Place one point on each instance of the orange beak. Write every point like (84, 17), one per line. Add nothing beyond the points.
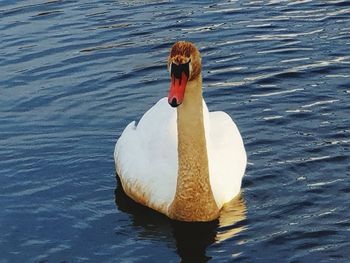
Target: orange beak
(179, 77)
(177, 90)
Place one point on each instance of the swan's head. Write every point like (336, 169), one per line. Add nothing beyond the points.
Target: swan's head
(184, 64)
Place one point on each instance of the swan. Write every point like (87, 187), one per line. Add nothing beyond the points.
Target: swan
(180, 159)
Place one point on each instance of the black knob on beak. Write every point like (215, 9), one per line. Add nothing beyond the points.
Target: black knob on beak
(173, 103)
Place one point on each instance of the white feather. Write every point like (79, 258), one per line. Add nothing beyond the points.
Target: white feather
(146, 154)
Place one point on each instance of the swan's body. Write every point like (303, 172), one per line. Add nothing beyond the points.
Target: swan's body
(185, 163)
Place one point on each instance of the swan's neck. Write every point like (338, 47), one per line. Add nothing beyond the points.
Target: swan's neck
(194, 199)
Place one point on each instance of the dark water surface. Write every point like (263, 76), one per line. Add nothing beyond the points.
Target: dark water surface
(74, 73)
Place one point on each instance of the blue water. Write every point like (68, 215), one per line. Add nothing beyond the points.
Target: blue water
(73, 74)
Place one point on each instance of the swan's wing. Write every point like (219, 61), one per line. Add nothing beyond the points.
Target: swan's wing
(146, 156)
(227, 157)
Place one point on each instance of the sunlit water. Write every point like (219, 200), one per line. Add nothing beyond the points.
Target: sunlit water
(73, 74)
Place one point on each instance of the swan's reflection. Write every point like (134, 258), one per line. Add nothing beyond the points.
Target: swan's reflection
(191, 239)
(232, 219)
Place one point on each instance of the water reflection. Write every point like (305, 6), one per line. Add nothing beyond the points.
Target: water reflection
(190, 240)
(232, 219)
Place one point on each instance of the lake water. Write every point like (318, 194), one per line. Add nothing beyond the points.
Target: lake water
(73, 74)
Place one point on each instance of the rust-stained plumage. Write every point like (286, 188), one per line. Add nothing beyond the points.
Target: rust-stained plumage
(181, 52)
(194, 200)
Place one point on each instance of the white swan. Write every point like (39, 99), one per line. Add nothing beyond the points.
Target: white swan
(182, 161)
